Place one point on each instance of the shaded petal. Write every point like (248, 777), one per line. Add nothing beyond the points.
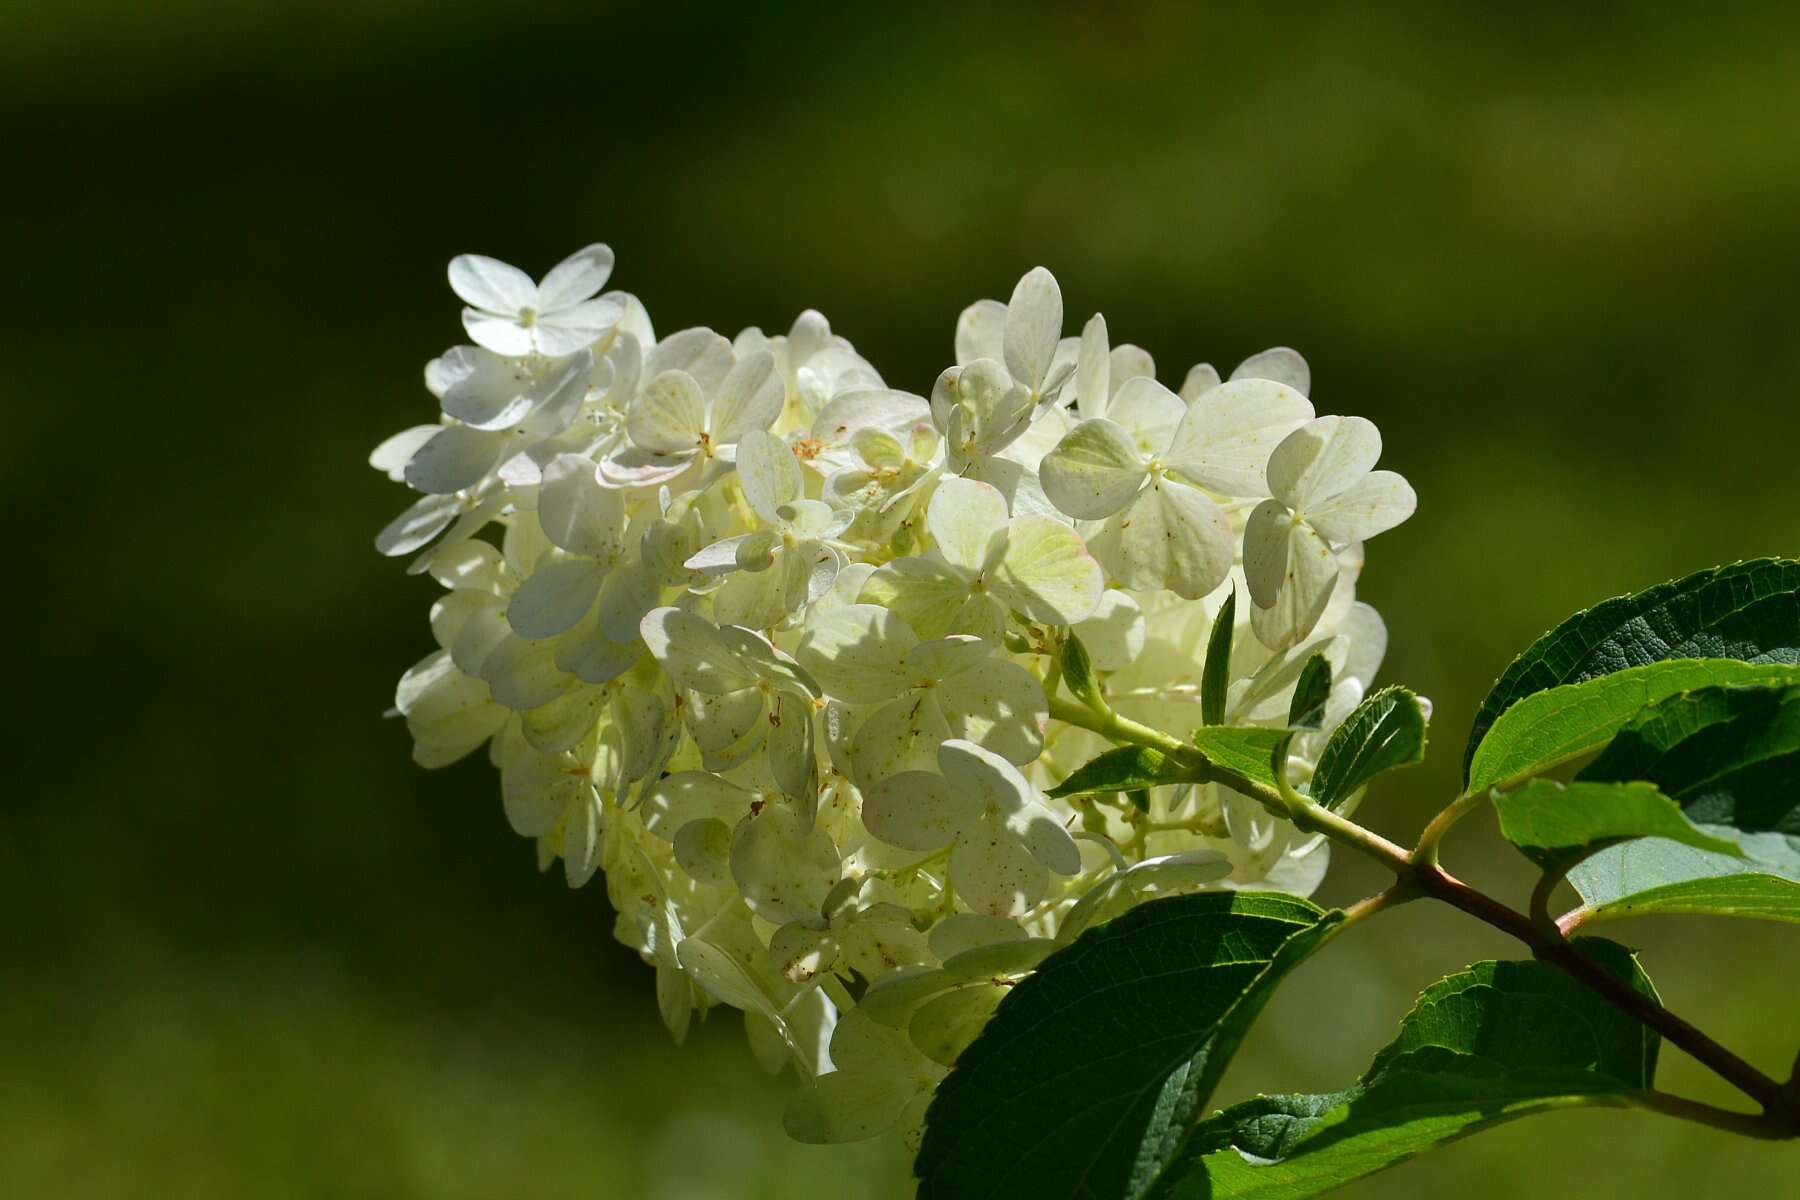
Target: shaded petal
(1173, 536)
(857, 653)
(1148, 412)
(768, 473)
(981, 332)
(577, 513)
(999, 705)
(993, 873)
(1312, 571)
(917, 810)
(455, 459)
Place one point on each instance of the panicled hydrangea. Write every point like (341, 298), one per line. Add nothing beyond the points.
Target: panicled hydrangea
(764, 643)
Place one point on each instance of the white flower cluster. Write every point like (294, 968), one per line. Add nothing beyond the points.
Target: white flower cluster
(768, 642)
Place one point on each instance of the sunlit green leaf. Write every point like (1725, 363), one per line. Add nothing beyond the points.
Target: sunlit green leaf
(1563, 723)
(1557, 823)
(1242, 751)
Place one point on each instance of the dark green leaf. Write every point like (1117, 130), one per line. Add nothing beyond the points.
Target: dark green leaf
(1093, 1070)
(1497, 1041)
(1215, 676)
(1122, 770)
(1563, 723)
(1242, 751)
(1729, 756)
(1385, 731)
(1556, 823)
(1748, 611)
(1307, 709)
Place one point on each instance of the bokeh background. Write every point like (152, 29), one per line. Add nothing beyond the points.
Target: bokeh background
(250, 950)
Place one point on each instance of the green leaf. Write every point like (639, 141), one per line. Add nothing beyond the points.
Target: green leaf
(1078, 671)
(1563, 723)
(1729, 755)
(1384, 732)
(1307, 709)
(1556, 823)
(1731, 758)
(1497, 1041)
(1242, 751)
(1215, 676)
(1122, 770)
(1766, 897)
(1748, 611)
(1093, 1070)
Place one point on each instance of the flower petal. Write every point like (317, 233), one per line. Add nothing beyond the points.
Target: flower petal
(1093, 375)
(669, 417)
(917, 810)
(1322, 459)
(1374, 504)
(1048, 573)
(576, 277)
(1306, 587)
(1279, 364)
(1094, 471)
(568, 330)
(1148, 412)
(490, 284)
(578, 514)
(857, 653)
(993, 873)
(1173, 536)
(1033, 325)
(964, 519)
(768, 473)
(455, 459)
(1228, 434)
(784, 866)
(981, 332)
(748, 398)
(1000, 705)
(701, 353)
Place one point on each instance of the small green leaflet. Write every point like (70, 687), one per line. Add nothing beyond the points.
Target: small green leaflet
(1731, 758)
(1385, 731)
(1748, 611)
(1092, 1072)
(1125, 769)
(1551, 727)
(1243, 751)
(1215, 677)
(1497, 1041)
(1078, 670)
(1555, 823)
(1307, 709)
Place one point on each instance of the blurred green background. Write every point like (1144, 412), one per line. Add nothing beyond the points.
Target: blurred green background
(250, 950)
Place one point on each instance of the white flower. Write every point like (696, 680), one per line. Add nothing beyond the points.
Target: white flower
(1143, 467)
(950, 687)
(700, 399)
(1325, 492)
(986, 564)
(792, 560)
(1004, 842)
(511, 315)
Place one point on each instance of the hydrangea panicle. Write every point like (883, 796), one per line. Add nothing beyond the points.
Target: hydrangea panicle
(771, 647)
